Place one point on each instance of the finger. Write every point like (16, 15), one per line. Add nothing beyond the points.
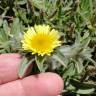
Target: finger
(9, 66)
(44, 84)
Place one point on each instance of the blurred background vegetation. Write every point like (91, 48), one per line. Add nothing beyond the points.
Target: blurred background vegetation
(75, 60)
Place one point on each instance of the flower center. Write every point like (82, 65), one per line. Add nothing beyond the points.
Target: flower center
(41, 42)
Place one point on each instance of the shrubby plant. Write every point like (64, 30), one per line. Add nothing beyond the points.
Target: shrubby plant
(74, 59)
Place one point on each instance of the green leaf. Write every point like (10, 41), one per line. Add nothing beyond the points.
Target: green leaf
(24, 66)
(85, 42)
(16, 27)
(40, 61)
(79, 65)
(70, 71)
(71, 87)
(22, 2)
(22, 14)
(85, 91)
(83, 87)
(57, 58)
(40, 4)
(1, 22)
(5, 27)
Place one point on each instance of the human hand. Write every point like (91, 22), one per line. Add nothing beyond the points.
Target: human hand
(44, 84)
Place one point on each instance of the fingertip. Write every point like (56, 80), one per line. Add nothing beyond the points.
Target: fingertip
(44, 84)
(54, 83)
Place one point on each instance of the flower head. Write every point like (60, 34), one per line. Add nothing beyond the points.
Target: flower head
(41, 40)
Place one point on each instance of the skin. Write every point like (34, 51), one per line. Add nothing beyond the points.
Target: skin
(44, 84)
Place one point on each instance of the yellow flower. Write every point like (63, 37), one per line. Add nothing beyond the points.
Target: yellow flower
(41, 39)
